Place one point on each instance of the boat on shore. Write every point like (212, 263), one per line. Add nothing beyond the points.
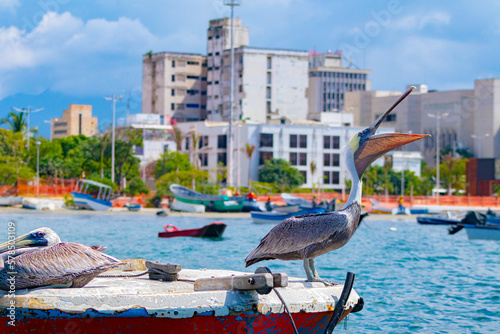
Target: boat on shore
(133, 206)
(192, 301)
(277, 217)
(211, 202)
(447, 218)
(477, 226)
(212, 230)
(92, 195)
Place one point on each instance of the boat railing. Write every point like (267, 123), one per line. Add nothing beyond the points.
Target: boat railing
(104, 193)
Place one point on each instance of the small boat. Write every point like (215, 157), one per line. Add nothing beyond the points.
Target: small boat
(186, 207)
(213, 230)
(84, 199)
(277, 217)
(10, 200)
(448, 218)
(253, 205)
(196, 301)
(296, 200)
(133, 206)
(477, 226)
(38, 204)
(211, 202)
(162, 213)
(286, 208)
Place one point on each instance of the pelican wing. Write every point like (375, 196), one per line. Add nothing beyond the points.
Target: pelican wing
(295, 234)
(60, 264)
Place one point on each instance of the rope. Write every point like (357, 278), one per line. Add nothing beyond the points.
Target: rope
(125, 276)
(287, 310)
(154, 274)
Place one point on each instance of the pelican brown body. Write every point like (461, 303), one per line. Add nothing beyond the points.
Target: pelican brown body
(306, 237)
(41, 260)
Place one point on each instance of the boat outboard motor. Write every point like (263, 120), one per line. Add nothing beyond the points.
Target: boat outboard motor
(474, 218)
(455, 228)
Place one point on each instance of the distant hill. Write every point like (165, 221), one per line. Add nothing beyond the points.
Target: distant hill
(54, 103)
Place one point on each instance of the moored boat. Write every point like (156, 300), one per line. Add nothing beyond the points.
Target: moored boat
(97, 200)
(477, 226)
(448, 218)
(277, 217)
(211, 202)
(213, 230)
(190, 304)
(286, 208)
(295, 200)
(133, 206)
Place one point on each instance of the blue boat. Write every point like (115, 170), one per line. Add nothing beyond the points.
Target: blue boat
(277, 217)
(84, 199)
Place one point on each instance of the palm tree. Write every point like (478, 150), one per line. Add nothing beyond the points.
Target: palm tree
(312, 165)
(178, 136)
(249, 149)
(16, 121)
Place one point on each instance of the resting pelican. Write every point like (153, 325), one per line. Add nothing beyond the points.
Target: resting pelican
(40, 259)
(308, 236)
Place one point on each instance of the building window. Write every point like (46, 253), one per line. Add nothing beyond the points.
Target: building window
(304, 175)
(216, 82)
(222, 158)
(79, 124)
(293, 141)
(173, 63)
(60, 132)
(192, 105)
(173, 92)
(268, 92)
(268, 107)
(193, 63)
(335, 142)
(60, 124)
(193, 76)
(303, 141)
(326, 177)
(326, 160)
(210, 54)
(172, 106)
(173, 77)
(203, 159)
(187, 144)
(240, 88)
(326, 142)
(266, 140)
(192, 91)
(268, 78)
(203, 93)
(303, 159)
(217, 36)
(269, 63)
(335, 177)
(222, 141)
(293, 158)
(203, 141)
(335, 160)
(263, 156)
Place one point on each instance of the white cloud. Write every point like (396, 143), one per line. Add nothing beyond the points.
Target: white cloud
(8, 4)
(418, 22)
(63, 49)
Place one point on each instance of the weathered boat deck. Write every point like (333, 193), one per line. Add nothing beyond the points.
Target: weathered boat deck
(132, 304)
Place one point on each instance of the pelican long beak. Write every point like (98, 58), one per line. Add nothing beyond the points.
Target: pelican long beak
(19, 242)
(370, 146)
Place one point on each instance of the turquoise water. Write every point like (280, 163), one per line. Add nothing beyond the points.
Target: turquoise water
(416, 279)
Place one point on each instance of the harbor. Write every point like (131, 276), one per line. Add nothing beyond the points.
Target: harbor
(425, 277)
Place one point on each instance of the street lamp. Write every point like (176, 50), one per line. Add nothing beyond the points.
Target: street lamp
(27, 111)
(479, 139)
(114, 98)
(437, 117)
(37, 168)
(231, 3)
(49, 122)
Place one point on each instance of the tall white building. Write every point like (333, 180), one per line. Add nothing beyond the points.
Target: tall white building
(299, 143)
(329, 81)
(174, 86)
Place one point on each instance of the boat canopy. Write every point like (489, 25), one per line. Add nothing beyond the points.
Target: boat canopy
(104, 190)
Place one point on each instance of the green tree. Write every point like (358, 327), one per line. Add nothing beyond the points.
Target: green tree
(453, 172)
(170, 162)
(16, 121)
(281, 172)
(184, 178)
(136, 187)
(249, 150)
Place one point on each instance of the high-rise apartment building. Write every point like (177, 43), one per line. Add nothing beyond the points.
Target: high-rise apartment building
(174, 86)
(329, 81)
(76, 120)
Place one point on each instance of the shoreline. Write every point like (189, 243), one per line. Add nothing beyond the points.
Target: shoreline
(152, 212)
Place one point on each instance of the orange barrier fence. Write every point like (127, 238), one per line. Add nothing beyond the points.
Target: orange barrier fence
(47, 187)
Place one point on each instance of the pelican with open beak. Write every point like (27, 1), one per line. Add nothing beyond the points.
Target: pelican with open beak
(40, 259)
(306, 237)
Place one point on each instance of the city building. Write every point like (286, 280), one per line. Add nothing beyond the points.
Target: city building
(329, 81)
(467, 119)
(300, 143)
(174, 86)
(268, 84)
(406, 160)
(76, 120)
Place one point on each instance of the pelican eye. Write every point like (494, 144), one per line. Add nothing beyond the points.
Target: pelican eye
(40, 234)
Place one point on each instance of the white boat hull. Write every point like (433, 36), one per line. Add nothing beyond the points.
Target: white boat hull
(83, 201)
(186, 207)
(475, 232)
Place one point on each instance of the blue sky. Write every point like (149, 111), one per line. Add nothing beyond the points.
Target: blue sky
(94, 48)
